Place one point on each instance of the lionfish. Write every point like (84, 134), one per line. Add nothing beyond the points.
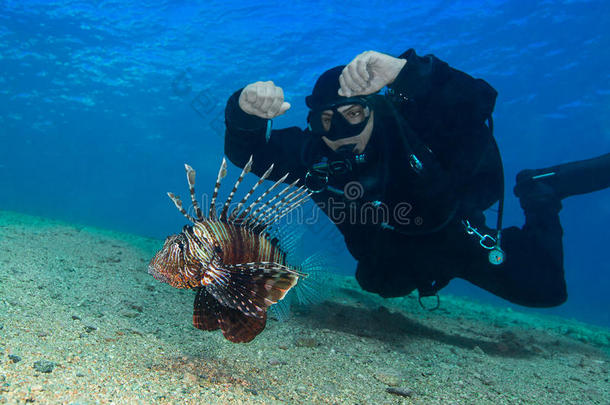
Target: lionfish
(234, 260)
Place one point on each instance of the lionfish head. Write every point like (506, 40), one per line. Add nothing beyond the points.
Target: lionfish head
(183, 258)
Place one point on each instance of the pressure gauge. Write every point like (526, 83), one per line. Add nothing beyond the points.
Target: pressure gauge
(496, 256)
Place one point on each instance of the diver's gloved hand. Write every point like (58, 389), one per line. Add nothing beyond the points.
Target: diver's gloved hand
(263, 99)
(368, 73)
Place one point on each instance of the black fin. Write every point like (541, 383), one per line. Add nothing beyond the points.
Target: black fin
(236, 327)
(251, 287)
(240, 328)
(206, 311)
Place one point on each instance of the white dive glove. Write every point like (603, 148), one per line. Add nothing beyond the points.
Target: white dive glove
(368, 73)
(263, 99)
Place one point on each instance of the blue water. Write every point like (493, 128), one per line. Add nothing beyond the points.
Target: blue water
(101, 103)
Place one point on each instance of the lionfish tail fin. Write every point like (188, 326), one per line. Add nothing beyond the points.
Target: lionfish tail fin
(253, 287)
(310, 290)
(314, 288)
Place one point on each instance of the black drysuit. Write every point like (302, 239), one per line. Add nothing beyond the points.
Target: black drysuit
(430, 164)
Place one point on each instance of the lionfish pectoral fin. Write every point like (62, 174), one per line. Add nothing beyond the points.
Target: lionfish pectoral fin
(236, 327)
(240, 328)
(206, 311)
(252, 287)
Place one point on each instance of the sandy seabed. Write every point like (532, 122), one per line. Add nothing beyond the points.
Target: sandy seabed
(81, 322)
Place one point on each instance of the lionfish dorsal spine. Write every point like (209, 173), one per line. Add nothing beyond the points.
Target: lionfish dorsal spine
(222, 172)
(254, 218)
(287, 208)
(190, 177)
(246, 169)
(240, 218)
(259, 214)
(178, 204)
(268, 209)
(237, 209)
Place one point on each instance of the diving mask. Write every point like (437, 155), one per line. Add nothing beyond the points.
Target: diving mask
(339, 126)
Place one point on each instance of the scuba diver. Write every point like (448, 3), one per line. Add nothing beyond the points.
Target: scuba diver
(407, 175)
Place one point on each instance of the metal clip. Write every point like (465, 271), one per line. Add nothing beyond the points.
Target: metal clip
(483, 239)
(496, 254)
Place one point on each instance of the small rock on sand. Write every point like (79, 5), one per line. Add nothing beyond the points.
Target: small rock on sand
(478, 350)
(388, 377)
(44, 366)
(90, 328)
(402, 392)
(306, 342)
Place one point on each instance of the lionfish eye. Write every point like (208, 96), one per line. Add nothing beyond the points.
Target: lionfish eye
(217, 248)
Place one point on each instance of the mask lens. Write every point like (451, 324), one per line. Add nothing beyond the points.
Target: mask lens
(315, 116)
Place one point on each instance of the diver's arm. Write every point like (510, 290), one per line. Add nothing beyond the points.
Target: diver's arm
(450, 109)
(246, 135)
(449, 94)
(452, 95)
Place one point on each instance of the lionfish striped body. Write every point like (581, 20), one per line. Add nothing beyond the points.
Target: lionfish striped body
(233, 261)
